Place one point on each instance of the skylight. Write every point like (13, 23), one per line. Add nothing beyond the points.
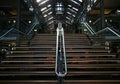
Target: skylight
(49, 5)
(68, 18)
(81, 0)
(43, 8)
(46, 10)
(43, 2)
(75, 2)
(50, 22)
(38, 1)
(72, 10)
(45, 15)
(50, 13)
(75, 8)
(50, 18)
(69, 5)
(69, 13)
(67, 22)
(73, 15)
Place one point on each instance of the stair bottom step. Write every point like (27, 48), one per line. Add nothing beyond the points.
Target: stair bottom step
(55, 81)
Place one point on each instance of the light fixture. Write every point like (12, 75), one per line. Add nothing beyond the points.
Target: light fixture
(118, 11)
(88, 8)
(110, 20)
(29, 21)
(106, 20)
(14, 21)
(90, 21)
(59, 8)
(31, 8)
(35, 30)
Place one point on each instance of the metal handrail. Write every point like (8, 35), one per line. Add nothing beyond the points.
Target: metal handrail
(107, 28)
(60, 50)
(10, 31)
(32, 28)
(100, 31)
(33, 25)
(6, 33)
(89, 28)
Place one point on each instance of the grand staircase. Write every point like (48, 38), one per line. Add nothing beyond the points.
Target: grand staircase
(35, 64)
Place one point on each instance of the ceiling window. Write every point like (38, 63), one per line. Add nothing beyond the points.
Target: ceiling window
(38, 1)
(50, 22)
(75, 8)
(45, 15)
(68, 22)
(43, 2)
(72, 10)
(59, 8)
(50, 13)
(80, 0)
(50, 18)
(73, 15)
(43, 8)
(46, 10)
(69, 13)
(69, 5)
(49, 5)
(68, 18)
(75, 2)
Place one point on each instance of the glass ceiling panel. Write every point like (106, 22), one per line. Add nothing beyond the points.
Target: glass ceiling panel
(42, 9)
(75, 2)
(43, 2)
(68, 18)
(50, 13)
(38, 1)
(80, 0)
(75, 8)
(50, 18)
(50, 22)
(46, 10)
(72, 10)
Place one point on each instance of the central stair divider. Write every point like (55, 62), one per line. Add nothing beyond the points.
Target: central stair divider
(61, 65)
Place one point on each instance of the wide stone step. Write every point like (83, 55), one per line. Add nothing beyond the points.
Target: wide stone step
(52, 73)
(68, 46)
(74, 55)
(69, 61)
(55, 81)
(52, 66)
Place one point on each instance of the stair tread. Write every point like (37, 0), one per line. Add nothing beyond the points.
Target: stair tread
(92, 51)
(52, 73)
(68, 55)
(66, 47)
(53, 66)
(46, 61)
(66, 81)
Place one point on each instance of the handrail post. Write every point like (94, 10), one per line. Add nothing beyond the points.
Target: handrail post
(61, 65)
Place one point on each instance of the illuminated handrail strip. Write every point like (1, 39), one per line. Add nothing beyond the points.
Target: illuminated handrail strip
(60, 32)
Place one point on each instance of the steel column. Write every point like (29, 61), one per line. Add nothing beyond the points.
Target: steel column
(102, 14)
